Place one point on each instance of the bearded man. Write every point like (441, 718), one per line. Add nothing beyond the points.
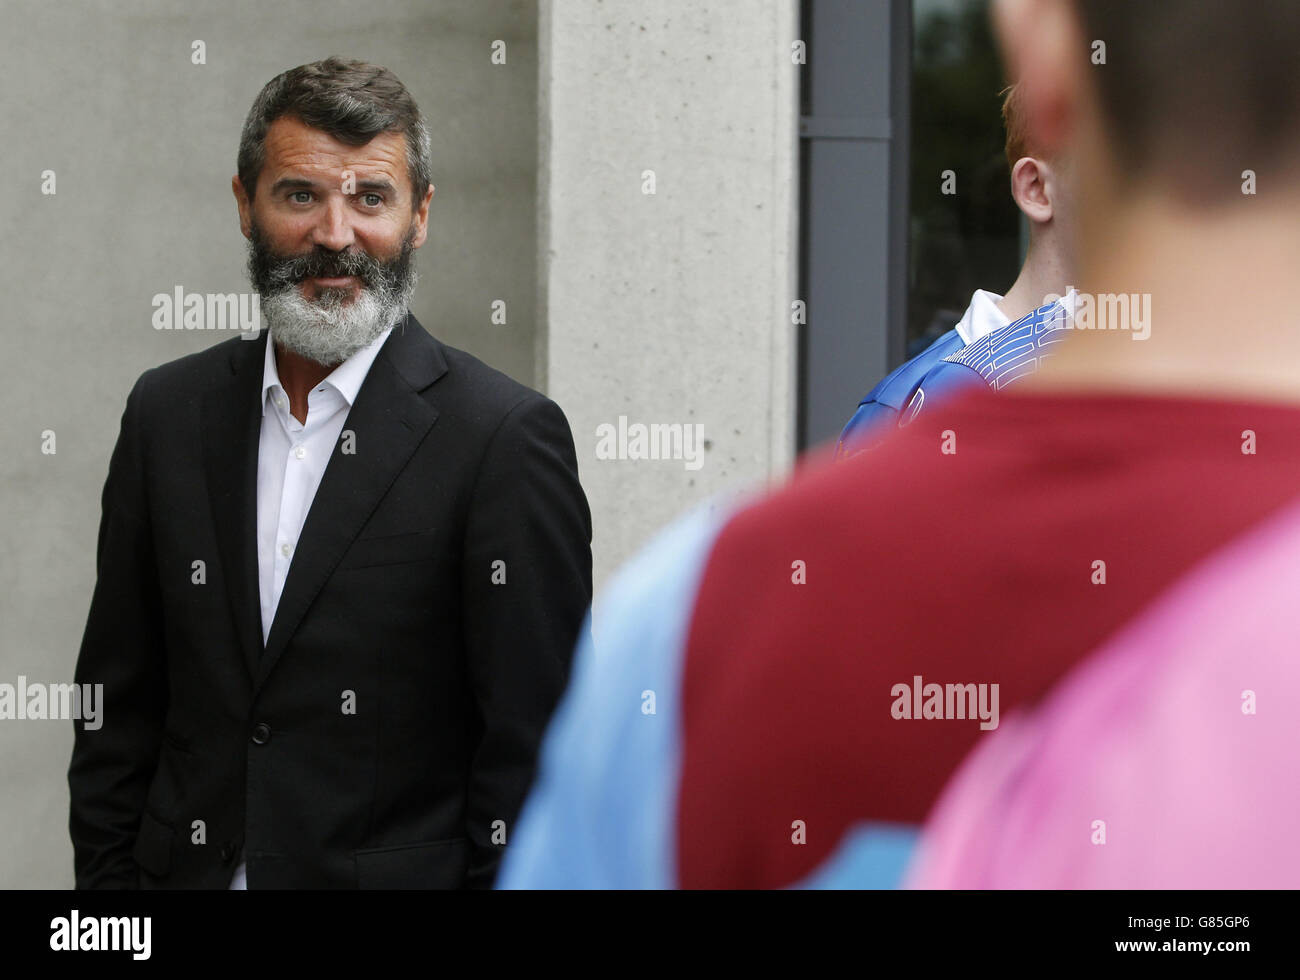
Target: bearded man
(341, 570)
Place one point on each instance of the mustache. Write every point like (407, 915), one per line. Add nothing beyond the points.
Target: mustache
(323, 263)
(271, 272)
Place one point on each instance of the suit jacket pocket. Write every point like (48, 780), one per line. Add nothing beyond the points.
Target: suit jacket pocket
(153, 845)
(435, 864)
(390, 549)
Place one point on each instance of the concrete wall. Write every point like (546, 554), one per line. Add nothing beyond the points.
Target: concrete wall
(143, 146)
(671, 307)
(668, 308)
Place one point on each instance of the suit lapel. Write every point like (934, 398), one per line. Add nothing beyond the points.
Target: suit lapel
(389, 420)
(231, 427)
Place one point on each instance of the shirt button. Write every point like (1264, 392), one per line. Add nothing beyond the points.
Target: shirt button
(300, 451)
(285, 549)
(261, 733)
(280, 402)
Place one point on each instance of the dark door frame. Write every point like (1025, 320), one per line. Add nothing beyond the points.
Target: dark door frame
(854, 148)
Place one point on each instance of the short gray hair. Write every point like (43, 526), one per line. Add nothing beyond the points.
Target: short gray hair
(352, 101)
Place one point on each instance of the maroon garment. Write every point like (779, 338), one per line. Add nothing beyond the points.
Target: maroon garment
(969, 567)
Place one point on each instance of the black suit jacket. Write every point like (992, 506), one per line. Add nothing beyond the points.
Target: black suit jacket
(393, 602)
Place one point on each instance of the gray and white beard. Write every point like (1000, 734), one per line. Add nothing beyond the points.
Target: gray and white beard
(329, 330)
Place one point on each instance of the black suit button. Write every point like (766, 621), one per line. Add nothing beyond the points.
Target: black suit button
(227, 853)
(261, 733)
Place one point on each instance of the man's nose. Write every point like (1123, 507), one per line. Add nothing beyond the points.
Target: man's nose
(333, 229)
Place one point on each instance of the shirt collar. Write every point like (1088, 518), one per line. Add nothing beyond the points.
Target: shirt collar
(982, 317)
(1068, 301)
(346, 378)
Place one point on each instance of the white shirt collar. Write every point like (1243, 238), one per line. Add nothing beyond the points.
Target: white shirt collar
(1068, 301)
(346, 378)
(982, 317)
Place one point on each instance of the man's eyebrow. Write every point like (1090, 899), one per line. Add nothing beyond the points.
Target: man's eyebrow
(364, 186)
(293, 184)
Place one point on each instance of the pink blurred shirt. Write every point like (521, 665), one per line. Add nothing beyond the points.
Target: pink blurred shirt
(1151, 741)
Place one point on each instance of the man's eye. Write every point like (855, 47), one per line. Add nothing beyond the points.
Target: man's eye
(373, 200)
(300, 197)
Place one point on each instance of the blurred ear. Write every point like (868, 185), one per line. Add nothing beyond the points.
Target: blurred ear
(1044, 52)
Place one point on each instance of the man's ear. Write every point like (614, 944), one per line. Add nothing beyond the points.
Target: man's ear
(245, 206)
(1029, 186)
(421, 219)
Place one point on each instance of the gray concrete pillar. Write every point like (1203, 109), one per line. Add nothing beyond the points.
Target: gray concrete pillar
(667, 255)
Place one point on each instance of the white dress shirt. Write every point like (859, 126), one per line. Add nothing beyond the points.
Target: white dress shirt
(291, 459)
